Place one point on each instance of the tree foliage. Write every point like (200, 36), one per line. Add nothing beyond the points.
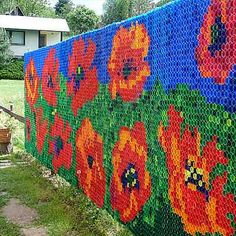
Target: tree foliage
(29, 7)
(117, 10)
(114, 11)
(162, 2)
(5, 54)
(138, 7)
(63, 7)
(82, 19)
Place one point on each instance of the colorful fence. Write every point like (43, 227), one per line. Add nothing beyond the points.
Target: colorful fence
(141, 116)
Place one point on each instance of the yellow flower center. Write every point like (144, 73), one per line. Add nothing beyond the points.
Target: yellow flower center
(194, 178)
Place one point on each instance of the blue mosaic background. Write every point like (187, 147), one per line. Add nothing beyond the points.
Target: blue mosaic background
(171, 55)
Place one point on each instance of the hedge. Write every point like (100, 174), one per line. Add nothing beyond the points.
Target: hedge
(13, 71)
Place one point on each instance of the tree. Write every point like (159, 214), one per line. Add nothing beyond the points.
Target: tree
(117, 10)
(138, 7)
(29, 7)
(82, 19)
(63, 7)
(5, 53)
(114, 11)
(6, 6)
(162, 2)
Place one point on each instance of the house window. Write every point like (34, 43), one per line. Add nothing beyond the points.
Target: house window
(17, 37)
(42, 40)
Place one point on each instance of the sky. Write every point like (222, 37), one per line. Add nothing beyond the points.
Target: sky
(96, 5)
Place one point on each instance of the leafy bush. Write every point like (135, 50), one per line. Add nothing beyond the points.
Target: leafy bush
(13, 71)
(5, 53)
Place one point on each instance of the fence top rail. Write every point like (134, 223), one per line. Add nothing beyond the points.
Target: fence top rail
(12, 114)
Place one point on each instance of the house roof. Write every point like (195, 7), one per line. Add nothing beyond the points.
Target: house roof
(33, 23)
(16, 12)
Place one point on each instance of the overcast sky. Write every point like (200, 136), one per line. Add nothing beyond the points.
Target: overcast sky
(96, 5)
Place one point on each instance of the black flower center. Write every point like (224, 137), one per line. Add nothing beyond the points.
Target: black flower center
(50, 83)
(127, 68)
(194, 176)
(90, 160)
(218, 36)
(58, 145)
(31, 79)
(129, 178)
(80, 75)
(28, 129)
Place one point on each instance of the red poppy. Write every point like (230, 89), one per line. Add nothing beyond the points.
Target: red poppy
(31, 84)
(131, 182)
(28, 128)
(50, 78)
(127, 66)
(202, 209)
(59, 144)
(83, 84)
(216, 52)
(89, 159)
(41, 129)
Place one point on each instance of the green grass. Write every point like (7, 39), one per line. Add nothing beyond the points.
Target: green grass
(12, 91)
(6, 228)
(62, 210)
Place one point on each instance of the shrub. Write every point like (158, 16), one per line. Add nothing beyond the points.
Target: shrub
(13, 71)
(5, 53)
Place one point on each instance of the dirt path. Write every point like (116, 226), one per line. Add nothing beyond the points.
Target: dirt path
(19, 214)
(23, 216)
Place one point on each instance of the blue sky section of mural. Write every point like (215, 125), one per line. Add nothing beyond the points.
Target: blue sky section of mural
(173, 31)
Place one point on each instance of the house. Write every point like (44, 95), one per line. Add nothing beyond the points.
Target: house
(30, 33)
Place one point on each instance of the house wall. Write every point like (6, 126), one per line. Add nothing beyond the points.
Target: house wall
(31, 43)
(52, 37)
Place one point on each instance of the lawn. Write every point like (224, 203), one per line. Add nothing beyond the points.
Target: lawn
(12, 92)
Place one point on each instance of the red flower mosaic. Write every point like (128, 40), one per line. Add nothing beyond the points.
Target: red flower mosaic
(127, 66)
(31, 84)
(201, 208)
(28, 129)
(50, 78)
(41, 129)
(89, 158)
(216, 52)
(83, 84)
(131, 182)
(59, 144)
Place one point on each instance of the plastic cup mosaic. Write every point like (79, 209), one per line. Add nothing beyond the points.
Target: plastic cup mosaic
(140, 115)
